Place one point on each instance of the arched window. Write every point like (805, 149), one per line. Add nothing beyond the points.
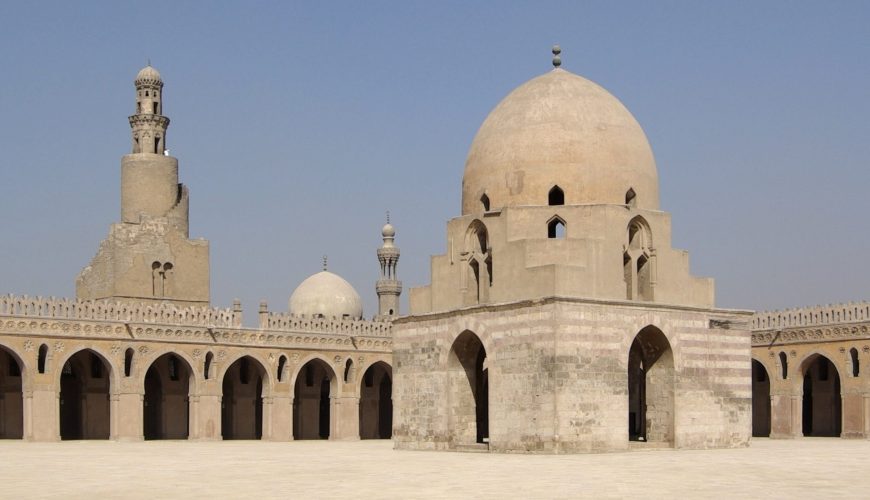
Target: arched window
(856, 368)
(43, 354)
(630, 197)
(478, 257)
(556, 228)
(556, 196)
(638, 261)
(282, 361)
(783, 361)
(484, 200)
(128, 361)
(206, 368)
(348, 365)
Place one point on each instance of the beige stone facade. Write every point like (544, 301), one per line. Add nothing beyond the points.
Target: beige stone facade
(810, 372)
(561, 320)
(100, 370)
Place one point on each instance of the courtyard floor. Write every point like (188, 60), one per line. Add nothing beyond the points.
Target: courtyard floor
(804, 468)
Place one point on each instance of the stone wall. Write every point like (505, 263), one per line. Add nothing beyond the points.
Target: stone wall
(788, 345)
(557, 373)
(125, 340)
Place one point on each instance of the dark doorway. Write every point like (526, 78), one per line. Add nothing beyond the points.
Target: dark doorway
(376, 403)
(242, 403)
(84, 397)
(468, 379)
(822, 403)
(651, 388)
(760, 400)
(11, 402)
(312, 401)
(166, 408)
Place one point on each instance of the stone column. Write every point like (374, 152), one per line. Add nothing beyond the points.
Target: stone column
(345, 418)
(127, 416)
(281, 418)
(41, 414)
(854, 413)
(208, 415)
(785, 415)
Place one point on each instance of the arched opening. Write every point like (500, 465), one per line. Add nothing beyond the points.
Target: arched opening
(651, 388)
(484, 201)
(822, 403)
(478, 274)
(282, 363)
(630, 197)
(760, 400)
(242, 404)
(468, 379)
(556, 228)
(312, 401)
(128, 361)
(348, 366)
(84, 397)
(166, 406)
(856, 366)
(638, 261)
(206, 365)
(783, 364)
(376, 402)
(42, 358)
(556, 196)
(11, 401)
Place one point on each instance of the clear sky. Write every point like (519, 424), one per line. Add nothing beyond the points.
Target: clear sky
(297, 125)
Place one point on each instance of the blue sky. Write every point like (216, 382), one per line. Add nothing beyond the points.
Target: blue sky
(297, 125)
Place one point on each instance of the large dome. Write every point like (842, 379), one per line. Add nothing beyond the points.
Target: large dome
(328, 295)
(559, 129)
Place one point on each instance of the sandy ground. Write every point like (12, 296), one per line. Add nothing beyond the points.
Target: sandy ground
(805, 468)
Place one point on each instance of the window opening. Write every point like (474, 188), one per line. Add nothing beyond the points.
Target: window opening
(556, 196)
(484, 200)
(282, 361)
(630, 197)
(856, 367)
(43, 355)
(556, 228)
(207, 366)
(783, 361)
(128, 361)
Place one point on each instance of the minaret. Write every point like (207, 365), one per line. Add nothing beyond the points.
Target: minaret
(149, 255)
(388, 287)
(149, 176)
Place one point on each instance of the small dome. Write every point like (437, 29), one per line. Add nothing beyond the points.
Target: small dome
(559, 129)
(328, 295)
(148, 74)
(388, 231)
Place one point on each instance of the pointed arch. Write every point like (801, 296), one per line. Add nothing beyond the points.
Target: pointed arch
(822, 403)
(315, 386)
(86, 380)
(760, 400)
(556, 228)
(12, 372)
(651, 380)
(630, 197)
(468, 391)
(556, 196)
(484, 202)
(375, 403)
(478, 274)
(169, 382)
(244, 382)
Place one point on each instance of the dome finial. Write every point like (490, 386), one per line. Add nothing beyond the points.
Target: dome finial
(557, 61)
(324, 262)
(388, 216)
(149, 62)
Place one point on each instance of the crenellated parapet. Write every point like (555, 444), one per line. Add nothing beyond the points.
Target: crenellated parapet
(831, 314)
(107, 310)
(124, 321)
(343, 326)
